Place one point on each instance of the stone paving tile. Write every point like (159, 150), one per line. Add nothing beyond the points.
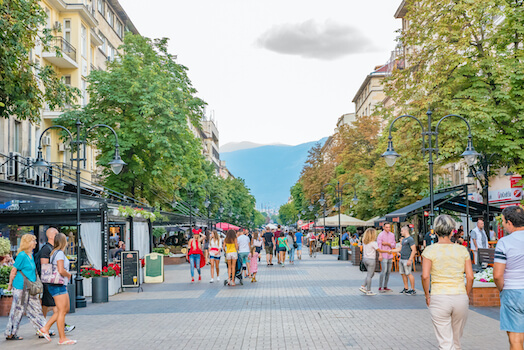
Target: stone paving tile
(314, 304)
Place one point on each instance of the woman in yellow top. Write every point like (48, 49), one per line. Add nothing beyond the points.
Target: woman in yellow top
(444, 265)
(231, 249)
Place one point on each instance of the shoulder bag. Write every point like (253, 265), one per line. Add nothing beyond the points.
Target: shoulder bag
(33, 288)
(50, 273)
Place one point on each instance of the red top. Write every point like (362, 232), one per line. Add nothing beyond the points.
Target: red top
(193, 249)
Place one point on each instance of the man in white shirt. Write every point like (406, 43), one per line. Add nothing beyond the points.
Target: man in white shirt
(479, 239)
(509, 277)
(244, 246)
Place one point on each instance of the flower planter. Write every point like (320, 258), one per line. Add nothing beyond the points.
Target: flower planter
(344, 253)
(175, 260)
(113, 285)
(334, 250)
(484, 294)
(355, 255)
(100, 288)
(5, 305)
(86, 283)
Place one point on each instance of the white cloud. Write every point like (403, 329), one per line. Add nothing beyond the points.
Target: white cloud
(325, 41)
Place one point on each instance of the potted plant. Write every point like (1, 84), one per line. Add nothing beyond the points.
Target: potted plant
(109, 275)
(6, 299)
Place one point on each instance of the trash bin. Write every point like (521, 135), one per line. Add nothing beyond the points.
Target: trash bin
(329, 249)
(100, 289)
(344, 253)
(71, 290)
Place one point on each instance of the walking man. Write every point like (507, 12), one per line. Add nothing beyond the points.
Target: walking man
(269, 243)
(299, 236)
(479, 239)
(386, 241)
(508, 276)
(407, 254)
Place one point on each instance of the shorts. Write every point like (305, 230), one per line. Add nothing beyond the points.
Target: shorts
(243, 257)
(269, 249)
(47, 298)
(299, 246)
(403, 267)
(206, 246)
(56, 290)
(512, 310)
(232, 256)
(215, 257)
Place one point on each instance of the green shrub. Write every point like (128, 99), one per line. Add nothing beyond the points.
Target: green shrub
(5, 246)
(4, 274)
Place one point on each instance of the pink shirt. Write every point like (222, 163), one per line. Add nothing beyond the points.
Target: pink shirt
(386, 237)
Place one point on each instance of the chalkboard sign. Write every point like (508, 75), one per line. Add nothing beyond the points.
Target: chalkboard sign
(130, 269)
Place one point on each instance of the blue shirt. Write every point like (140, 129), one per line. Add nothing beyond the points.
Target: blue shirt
(26, 264)
(298, 236)
(345, 237)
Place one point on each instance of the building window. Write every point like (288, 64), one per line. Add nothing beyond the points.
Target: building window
(111, 52)
(67, 30)
(110, 17)
(17, 140)
(30, 141)
(103, 46)
(101, 7)
(84, 41)
(118, 28)
(47, 18)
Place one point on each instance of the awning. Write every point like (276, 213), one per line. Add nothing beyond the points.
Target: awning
(452, 199)
(371, 222)
(345, 220)
(226, 226)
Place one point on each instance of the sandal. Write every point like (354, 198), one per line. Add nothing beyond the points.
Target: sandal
(44, 335)
(14, 337)
(67, 342)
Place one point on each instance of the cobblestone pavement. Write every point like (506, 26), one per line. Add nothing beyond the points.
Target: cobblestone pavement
(313, 304)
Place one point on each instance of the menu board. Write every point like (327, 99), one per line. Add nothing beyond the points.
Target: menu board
(130, 269)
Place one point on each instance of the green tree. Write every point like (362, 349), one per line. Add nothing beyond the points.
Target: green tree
(287, 214)
(148, 98)
(21, 26)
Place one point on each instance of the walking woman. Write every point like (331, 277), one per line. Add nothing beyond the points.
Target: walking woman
(283, 247)
(59, 292)
(23, 302)
(196, 256)
(443, 266)
(231, 248)
(291, 245)
(369, 256)
(215, 247)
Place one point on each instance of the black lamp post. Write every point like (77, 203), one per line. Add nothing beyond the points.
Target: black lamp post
(339, 190)
(41, 165)
(470, 155)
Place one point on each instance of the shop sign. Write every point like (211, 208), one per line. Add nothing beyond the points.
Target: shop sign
(504, 195)
(514, 180)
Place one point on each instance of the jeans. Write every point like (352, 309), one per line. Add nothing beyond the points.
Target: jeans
(384, 274)
(292, 254)
(370, 266)
(194, 260)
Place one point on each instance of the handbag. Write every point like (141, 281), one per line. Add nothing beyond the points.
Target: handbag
(362, 266)
(295, 245)
(50, 273)
(33, 288)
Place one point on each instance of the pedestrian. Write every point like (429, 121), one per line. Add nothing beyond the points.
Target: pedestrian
(215, 248)
(276, 235)
(345, 237)
(443, 266)
(269, 243)
(24, 267)
(231, 248)
(253, 263)
(312, 239)
(283, 247)
(244, 246)
(291, 244)
(369, 258)
(508, 276)
(196, 255)
(59, 292)
(298, 240)
(430, 238)
(479, 239)
(41, 258)
(206, 246)
(407, 254)
(257, 243)
(386, 241)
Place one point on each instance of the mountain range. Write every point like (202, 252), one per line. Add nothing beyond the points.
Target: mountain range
(269, 170)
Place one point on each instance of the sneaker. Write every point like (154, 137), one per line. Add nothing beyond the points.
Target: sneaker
(362, 289)
(382, 290)
(192, 279)
(69, 328)
(404, 291)
(411, 292)
(211, 281)
(218, 278)
(370, 293)
(386, 289)
(199, 278)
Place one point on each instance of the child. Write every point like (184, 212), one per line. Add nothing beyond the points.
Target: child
(253, 263)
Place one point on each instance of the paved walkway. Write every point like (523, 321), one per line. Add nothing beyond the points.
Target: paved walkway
(314, 304)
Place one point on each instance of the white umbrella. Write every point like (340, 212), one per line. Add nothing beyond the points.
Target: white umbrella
(371, 222)
(345, 220)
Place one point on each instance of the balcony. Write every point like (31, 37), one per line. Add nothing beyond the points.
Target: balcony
(61, 53)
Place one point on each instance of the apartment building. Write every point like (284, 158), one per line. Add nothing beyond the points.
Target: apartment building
(88, 34)
(371, 92)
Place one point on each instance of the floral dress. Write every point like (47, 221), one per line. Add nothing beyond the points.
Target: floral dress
(253, 262)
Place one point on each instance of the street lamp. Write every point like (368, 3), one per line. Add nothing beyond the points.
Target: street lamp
(41, 165)
(469, 155)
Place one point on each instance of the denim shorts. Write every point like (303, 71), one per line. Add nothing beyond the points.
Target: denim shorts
(512, 310)
(55, 290)
(299, 246)
(243, 256)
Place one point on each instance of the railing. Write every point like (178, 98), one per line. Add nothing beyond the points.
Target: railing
(64, 46)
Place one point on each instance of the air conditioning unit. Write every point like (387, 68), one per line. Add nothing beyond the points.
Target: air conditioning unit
(30, 173)
(3, 169)
(46, 141)
(62, 147)
(14, 157)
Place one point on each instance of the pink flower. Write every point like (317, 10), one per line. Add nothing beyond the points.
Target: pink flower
(483, 280)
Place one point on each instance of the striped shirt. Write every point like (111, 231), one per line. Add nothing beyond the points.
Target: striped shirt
(510, 251)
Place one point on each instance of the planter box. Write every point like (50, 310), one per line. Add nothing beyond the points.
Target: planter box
(355, 255)
(5, 305)
(334, 251)
(175, 260)
(113, 285)
(484, 294)
(86, 284)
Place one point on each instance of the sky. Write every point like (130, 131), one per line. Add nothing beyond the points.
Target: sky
(273, 71)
